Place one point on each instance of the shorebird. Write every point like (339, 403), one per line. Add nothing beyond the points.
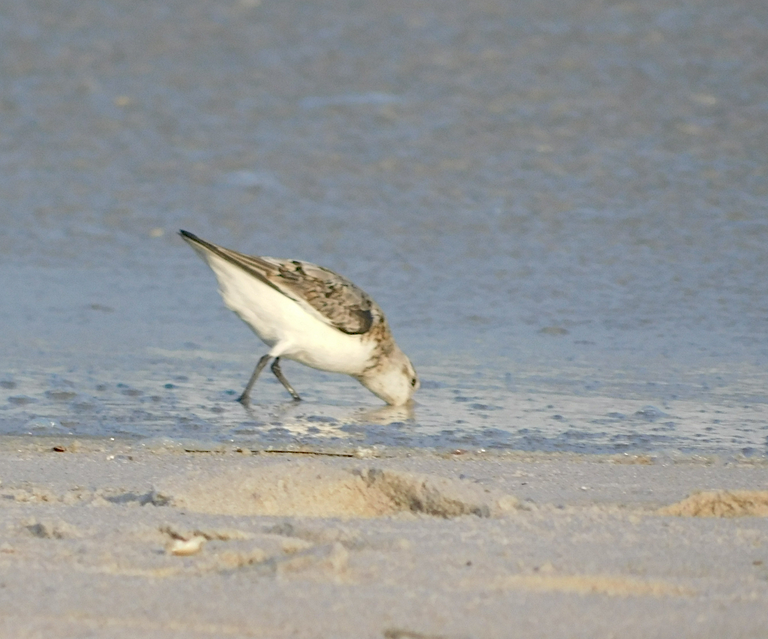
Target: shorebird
(311, 315)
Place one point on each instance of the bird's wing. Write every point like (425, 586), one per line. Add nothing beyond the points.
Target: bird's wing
(328, 296)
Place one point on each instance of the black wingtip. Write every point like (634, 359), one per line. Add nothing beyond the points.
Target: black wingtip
(195, 241)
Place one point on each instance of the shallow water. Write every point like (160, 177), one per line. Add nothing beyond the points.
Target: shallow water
(561, 206)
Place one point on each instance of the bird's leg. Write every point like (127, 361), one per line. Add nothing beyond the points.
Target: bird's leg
(244, 399)
(279, 374)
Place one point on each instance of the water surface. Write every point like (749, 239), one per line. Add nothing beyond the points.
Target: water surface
(560, 206)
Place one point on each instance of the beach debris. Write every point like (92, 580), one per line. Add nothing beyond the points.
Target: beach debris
(186, 547)
(52, 529)
(183, 544)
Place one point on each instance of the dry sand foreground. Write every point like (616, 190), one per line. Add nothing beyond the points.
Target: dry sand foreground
(111, 540)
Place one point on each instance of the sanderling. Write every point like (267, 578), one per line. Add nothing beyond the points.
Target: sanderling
(311, 315)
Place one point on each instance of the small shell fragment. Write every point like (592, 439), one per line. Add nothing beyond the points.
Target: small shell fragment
(186, 547)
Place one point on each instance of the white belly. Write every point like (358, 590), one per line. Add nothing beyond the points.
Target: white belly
(289, 330)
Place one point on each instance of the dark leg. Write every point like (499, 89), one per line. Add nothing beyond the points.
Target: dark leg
(279, 374)
(244, 398)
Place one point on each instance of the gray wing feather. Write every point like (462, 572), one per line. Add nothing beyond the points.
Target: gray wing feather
(327, 295)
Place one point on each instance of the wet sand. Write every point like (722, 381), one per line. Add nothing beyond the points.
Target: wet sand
(111, 540)
(559, 205)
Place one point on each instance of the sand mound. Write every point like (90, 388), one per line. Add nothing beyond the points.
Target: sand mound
(610, 585)
(721, 503)
(314, 489)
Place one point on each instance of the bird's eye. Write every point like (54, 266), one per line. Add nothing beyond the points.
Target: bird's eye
(413, 381)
